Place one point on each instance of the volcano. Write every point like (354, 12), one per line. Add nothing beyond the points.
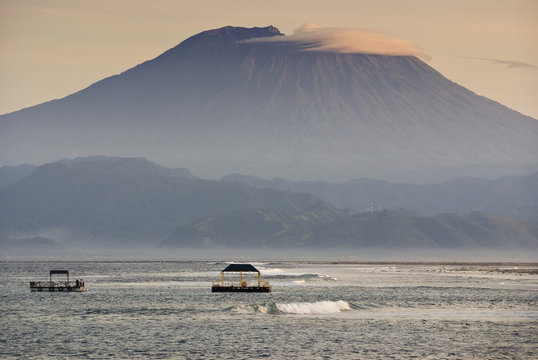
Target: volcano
(220, 103)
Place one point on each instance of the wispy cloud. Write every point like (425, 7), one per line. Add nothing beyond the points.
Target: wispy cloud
(348, 40)
(508, 63)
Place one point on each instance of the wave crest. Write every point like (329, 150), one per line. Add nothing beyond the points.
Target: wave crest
(279, 273)
(299, 308)
(320, 307)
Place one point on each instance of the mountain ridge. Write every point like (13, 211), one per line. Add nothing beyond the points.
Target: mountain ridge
(113, 199)
(101, 202)
(511, 196)
(262, 228)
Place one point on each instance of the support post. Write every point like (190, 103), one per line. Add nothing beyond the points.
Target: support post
(240, 278)
(259, 279)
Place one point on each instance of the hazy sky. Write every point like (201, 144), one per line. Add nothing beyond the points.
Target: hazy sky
(50, 49)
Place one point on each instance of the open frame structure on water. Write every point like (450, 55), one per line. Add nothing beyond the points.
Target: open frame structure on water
(241, 286)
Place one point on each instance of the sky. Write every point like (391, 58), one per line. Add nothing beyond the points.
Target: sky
(50, 49)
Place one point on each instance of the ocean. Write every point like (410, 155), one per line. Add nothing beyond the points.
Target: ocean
(316, 310)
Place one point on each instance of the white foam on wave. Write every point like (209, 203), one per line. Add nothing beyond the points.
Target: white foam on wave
(276, 272)
(320, 307)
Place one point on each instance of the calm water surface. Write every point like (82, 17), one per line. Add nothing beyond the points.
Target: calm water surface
(316, 311)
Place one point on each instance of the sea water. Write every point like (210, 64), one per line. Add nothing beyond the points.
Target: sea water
(165, 309)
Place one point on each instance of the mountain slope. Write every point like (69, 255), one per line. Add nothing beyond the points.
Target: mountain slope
(11, 174)
(511, 196)
(217, 104)
(266, 228)
(124, 200)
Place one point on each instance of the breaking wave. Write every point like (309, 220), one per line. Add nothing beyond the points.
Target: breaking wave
(279, 273)
(320, 307)
(299, 308)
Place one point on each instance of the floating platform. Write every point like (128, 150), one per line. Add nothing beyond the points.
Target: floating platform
(59, 286)
(241, 286)
(47, 286)
(232, 288)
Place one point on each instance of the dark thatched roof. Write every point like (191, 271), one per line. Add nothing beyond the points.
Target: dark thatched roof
(240, 267)
(52, 272)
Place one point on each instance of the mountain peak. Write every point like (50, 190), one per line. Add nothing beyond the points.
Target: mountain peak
(240, 33)
(211, 43)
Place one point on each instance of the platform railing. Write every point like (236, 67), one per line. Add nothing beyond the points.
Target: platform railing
(53, 284)
(217, 283)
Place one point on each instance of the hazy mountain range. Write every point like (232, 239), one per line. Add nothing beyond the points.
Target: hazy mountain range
(218, 104)
(117, 202)
(385, 229)
(124, 200)
(512, 196)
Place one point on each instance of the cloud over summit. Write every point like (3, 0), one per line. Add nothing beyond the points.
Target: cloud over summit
(348, 40)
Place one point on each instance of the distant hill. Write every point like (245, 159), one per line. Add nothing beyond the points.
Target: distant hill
(11, 174)
(512, 196)
(218, 104)
(125, 201)
(261, 228)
